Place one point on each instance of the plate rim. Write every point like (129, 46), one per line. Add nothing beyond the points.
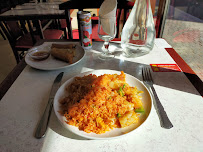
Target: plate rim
(89, 72)
(50, 69)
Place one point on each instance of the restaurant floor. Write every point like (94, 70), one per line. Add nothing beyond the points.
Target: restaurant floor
(189, 47)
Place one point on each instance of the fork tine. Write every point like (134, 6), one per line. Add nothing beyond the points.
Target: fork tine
(143, 74)
(150, 76)
(147, 74)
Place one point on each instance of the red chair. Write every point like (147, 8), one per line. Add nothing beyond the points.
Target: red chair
(63, 26)
(21, 41)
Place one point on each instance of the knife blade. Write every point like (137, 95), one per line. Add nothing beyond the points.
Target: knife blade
(42, 126)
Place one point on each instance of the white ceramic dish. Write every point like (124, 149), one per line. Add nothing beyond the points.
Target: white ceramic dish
(116, 132)
(39, 53)
(51, 63)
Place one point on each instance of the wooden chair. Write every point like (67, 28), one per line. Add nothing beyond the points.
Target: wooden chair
(63, 25)
(2, 34)
(20, 41)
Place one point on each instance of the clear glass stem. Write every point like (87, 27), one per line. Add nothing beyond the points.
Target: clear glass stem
(106, 54)
(106, 48)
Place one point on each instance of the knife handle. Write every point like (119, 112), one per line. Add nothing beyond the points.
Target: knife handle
(42, 126)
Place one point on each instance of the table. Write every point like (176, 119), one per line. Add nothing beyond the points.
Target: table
(23, 104)
(34, 11)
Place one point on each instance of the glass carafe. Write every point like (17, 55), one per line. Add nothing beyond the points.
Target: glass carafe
(138, 33)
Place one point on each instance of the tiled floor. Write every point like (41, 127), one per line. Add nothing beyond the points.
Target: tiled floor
(7, 59)
(186, 37)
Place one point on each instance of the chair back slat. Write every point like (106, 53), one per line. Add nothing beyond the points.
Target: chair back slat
(14, 29)
(5, 30)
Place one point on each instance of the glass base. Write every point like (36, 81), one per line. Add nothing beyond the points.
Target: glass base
(134, 53)
(106, 56)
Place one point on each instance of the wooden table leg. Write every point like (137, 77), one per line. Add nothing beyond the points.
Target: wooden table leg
(68, 22)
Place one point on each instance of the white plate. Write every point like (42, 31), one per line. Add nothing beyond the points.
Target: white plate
(116, 132)
(54, 64)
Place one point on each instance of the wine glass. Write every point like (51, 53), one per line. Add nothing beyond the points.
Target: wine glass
(106, 32)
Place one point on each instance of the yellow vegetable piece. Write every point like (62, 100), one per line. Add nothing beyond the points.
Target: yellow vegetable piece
(128, 118)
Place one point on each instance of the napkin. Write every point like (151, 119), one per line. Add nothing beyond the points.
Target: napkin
(107, 15)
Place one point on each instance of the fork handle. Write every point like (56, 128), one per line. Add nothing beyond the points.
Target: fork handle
(164, 120)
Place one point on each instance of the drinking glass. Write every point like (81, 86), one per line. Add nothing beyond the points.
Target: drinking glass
(106, 32)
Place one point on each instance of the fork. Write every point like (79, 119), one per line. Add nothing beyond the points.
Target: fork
(164, 120)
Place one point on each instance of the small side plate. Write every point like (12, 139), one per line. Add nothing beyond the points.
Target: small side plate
(54, 64)
(39, 53)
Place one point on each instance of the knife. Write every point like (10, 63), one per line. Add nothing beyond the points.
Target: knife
(42, 126)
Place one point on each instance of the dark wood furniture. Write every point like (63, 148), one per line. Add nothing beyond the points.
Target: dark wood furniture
(28, 15)
(34, 15)
(21, 40)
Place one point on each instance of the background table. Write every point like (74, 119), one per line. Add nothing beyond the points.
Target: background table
(23, 105)
(34, 12)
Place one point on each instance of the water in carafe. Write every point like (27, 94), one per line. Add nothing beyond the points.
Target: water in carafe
(138, 33)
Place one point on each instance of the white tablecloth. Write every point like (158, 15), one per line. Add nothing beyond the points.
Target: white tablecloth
(22, 107)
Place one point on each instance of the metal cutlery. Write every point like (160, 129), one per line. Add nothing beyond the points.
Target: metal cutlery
(164, 120)
(42, 126)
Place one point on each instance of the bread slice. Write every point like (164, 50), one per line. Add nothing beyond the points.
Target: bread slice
(63, 52)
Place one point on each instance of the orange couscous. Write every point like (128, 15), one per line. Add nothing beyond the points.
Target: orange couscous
(98, 104)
